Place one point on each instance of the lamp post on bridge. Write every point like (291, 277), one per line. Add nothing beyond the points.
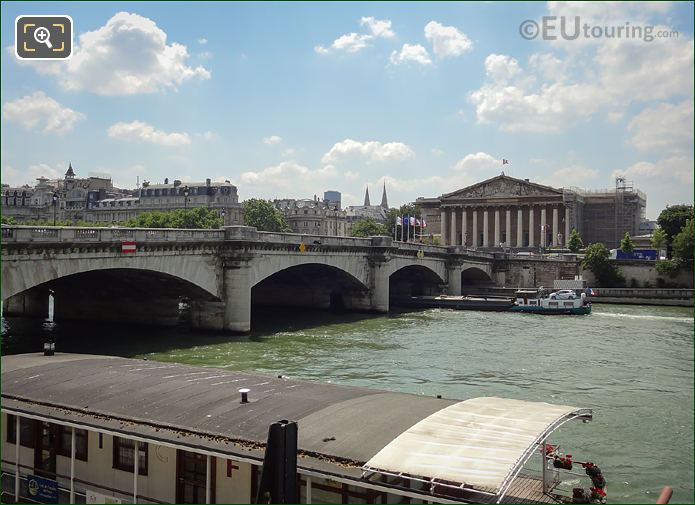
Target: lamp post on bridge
(55, 205)
(223, 213)
(185, 204)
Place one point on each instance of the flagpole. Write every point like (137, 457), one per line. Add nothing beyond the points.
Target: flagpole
(402, 230)
(407, 231)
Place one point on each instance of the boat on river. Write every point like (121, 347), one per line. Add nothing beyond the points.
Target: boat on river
(466, 302)
(563, 302)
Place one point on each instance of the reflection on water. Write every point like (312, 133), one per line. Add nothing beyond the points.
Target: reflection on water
(633, 365)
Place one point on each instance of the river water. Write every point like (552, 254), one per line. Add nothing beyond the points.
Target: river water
(632, 364)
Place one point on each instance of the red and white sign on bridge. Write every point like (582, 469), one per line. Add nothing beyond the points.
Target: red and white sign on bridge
(128, 247)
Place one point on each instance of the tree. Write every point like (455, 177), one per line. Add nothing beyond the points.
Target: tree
(683, 245)
(367, 227)
(597, 260)
(575, 242)
(9, 220)
(263, 215)
(673, 218)
(196, 218)
(659, 239)
(626, 244)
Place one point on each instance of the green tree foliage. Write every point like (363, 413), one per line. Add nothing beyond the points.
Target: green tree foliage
(196, 218)
(263, 215)
(8, 220)
(673, 218)
(683, 245)
(626, 244)
(367, 227)
(597, 260)
(575, 242)
(668, 267)
(659, 239)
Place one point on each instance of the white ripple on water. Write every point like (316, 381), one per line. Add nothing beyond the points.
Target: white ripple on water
(639, 316)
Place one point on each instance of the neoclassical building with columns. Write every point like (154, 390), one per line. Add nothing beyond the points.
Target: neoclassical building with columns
(505, 212)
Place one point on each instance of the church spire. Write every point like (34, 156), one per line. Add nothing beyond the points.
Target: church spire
(384, 201)
(366, 198)
(70, 173)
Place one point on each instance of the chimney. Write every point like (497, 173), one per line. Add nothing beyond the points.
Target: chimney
(526, 180)
(166, 180)
(207, 181)
(177, 183)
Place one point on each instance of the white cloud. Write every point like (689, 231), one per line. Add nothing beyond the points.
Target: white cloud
(573, 175)
(678, 169)
(369, 151)
(447, 41)
(287, 175)
(127, 56)
(289, 152)
(139, 131)
(349, 43)
(42, 112)
(663, 127)
(411, 53)
(501, 68)
(272, 140)
(15, 177)
(203, 41)
(378, 27)
(478, 162)
(351, 176)
(583, 79)
(437, 152)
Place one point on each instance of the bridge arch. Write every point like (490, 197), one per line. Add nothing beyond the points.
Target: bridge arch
(311, 284)
(20, 276)
(415, 280)
(475, 276)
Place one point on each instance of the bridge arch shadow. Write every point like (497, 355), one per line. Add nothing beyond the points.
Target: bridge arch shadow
(311, 285)
(414, 280)
(475, 277)
(121, 295)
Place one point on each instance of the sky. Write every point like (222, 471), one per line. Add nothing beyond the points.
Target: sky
(288, 100)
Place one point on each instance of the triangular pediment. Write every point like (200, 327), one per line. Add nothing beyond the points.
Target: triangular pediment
(502, 186)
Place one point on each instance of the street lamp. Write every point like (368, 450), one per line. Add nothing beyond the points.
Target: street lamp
(55, 205)
(223, 213)
(185, 202)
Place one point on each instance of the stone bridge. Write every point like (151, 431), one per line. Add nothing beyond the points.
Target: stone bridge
(219, 273)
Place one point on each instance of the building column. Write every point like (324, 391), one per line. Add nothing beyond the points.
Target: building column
(464, 227)
(497, 228)
(530, 227)
(567, 226)
(237, 297)
(443, 226)
(556, 227)
(519, 227)
(486, 229)
(508, 228)
(452, 232)
(474, 240)
(543, 233)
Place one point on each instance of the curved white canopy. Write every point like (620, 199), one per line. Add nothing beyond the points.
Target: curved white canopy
(481, 443)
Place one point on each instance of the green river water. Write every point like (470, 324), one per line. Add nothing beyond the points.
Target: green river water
(632, 364)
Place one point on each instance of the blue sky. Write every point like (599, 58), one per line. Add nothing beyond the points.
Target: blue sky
(291, 99)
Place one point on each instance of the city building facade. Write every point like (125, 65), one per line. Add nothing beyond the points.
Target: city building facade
(95, 199)
(220, 196)
(505, 212)
(313, 217)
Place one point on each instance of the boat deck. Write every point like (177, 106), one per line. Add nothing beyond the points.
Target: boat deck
(524, 489)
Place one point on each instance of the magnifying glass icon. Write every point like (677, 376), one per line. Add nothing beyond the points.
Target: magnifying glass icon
(43, 36)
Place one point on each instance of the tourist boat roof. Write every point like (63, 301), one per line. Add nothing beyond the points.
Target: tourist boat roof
(477, 445)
